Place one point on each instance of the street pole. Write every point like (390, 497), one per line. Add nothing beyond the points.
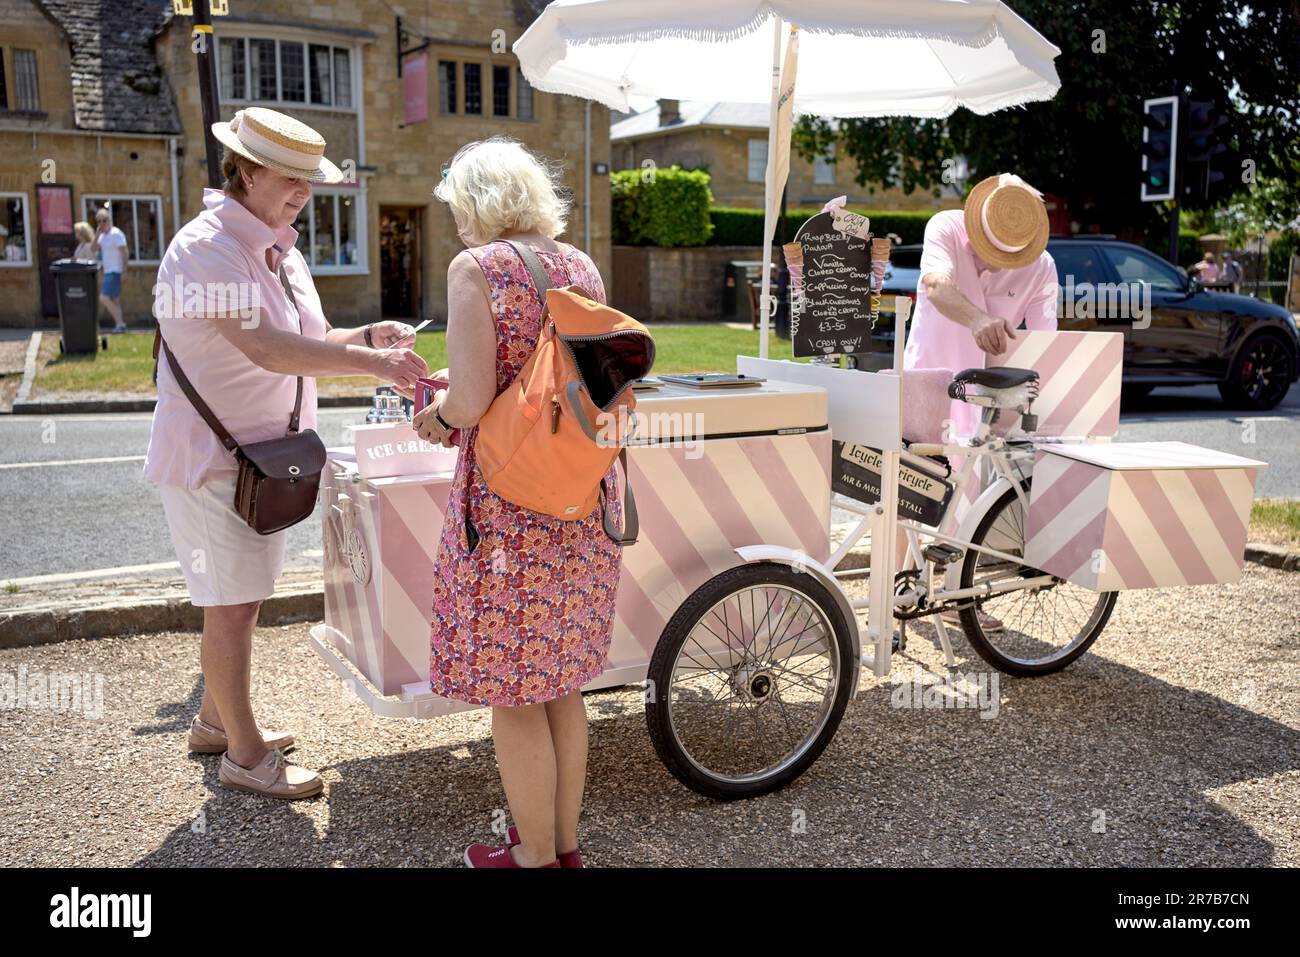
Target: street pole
(207, 87)
(207, 68)
(1173, 232)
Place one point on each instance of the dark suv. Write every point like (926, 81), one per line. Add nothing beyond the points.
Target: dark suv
(1248, 348)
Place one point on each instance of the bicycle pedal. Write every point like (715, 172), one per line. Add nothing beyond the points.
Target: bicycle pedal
(941, 553)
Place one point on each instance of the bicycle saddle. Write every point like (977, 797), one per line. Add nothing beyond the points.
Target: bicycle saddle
(996, 377)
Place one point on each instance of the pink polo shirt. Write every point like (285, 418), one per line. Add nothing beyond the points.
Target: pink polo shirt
(1027, 295)
(217, 263)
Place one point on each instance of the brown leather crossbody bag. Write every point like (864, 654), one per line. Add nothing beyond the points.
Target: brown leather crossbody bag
(278, 478)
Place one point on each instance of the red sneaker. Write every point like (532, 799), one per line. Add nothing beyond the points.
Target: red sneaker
(485, 855)
(571, 858)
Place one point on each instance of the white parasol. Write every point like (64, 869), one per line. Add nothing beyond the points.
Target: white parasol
(919, 58)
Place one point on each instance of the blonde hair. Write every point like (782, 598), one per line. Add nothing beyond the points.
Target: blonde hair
(496, 185)
(84, 232)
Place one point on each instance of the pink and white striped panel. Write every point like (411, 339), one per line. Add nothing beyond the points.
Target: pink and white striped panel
(1079, 388)
(1149, 522)
(1079, 380)
(698, 505)
(389, 528)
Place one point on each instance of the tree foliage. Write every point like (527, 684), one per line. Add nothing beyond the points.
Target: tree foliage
(1084, 144)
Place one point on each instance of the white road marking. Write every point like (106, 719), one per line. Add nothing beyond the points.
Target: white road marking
(29, 367)
(119, 572)
(36, 465)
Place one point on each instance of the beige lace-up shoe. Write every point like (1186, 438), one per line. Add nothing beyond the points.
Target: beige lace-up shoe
(273, 777)
(205, 739)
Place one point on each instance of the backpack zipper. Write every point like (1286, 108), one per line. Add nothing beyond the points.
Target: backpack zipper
(607, 335)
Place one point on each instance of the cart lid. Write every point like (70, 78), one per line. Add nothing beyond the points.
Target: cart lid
(1149, 455)
(771, 408)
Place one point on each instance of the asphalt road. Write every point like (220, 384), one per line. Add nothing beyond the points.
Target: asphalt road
(65, 511)
(101, 514)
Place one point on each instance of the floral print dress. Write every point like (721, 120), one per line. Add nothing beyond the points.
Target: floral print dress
(523, 603)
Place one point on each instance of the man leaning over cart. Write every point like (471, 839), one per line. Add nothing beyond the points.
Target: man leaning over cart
(985, 272)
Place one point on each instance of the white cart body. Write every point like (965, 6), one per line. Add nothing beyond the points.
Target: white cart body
(721, 477)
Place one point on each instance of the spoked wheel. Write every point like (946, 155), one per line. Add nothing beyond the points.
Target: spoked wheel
(749, 681)
(1042, 629)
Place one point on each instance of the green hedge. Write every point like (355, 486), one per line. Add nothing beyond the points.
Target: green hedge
(733, 226)
(1280, 251)
(1189, 245)
(668, 208)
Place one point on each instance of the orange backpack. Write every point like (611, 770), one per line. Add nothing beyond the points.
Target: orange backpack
(548, 440)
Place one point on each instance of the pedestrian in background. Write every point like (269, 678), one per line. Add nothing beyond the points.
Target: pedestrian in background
(85, 241)
(110, 243)
(1207, 270)
(1230, 271)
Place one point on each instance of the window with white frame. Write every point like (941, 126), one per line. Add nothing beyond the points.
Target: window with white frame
(139, 218)
(824, 168)
(27, 89)
(15, 230)
(329, 236)
(265, 70)
(523, 97)
(758, 161)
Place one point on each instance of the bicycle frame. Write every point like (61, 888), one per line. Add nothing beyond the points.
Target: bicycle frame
(1011, 464)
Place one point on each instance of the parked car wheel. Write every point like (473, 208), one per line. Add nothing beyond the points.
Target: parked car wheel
(1261, 374)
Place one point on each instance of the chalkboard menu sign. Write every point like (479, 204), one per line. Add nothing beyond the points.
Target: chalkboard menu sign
(836, 314)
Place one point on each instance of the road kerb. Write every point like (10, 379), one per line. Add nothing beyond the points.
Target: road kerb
(20, 628)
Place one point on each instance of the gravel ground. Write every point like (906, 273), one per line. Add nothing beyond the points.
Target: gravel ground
(1175, 742)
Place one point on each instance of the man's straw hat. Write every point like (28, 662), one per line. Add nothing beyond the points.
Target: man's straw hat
(1006, 221)
(278, 142)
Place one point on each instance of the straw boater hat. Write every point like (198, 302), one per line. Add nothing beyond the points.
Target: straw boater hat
(1006, 221)
(278, 142)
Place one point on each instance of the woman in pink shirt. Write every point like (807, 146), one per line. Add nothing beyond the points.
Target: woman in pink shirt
(236, 306)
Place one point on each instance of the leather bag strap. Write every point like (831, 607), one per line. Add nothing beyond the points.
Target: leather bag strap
(631, 524)
(200, 406)
(288, 291)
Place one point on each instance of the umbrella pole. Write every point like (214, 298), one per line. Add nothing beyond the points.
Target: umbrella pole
(765, 301)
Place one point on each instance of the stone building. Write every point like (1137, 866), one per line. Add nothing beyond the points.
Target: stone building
(99, 105)
(730, 140)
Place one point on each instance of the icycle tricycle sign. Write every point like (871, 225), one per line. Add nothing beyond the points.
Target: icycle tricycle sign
(855, 472)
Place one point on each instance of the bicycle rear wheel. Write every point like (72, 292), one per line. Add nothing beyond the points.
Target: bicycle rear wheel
(1042, 629)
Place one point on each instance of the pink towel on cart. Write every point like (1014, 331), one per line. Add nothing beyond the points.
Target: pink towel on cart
(926, 405)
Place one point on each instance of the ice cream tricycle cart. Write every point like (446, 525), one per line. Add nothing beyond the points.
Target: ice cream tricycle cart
(731, 606)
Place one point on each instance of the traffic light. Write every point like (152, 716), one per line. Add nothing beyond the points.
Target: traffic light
(1159, 147)
(1204, 154)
